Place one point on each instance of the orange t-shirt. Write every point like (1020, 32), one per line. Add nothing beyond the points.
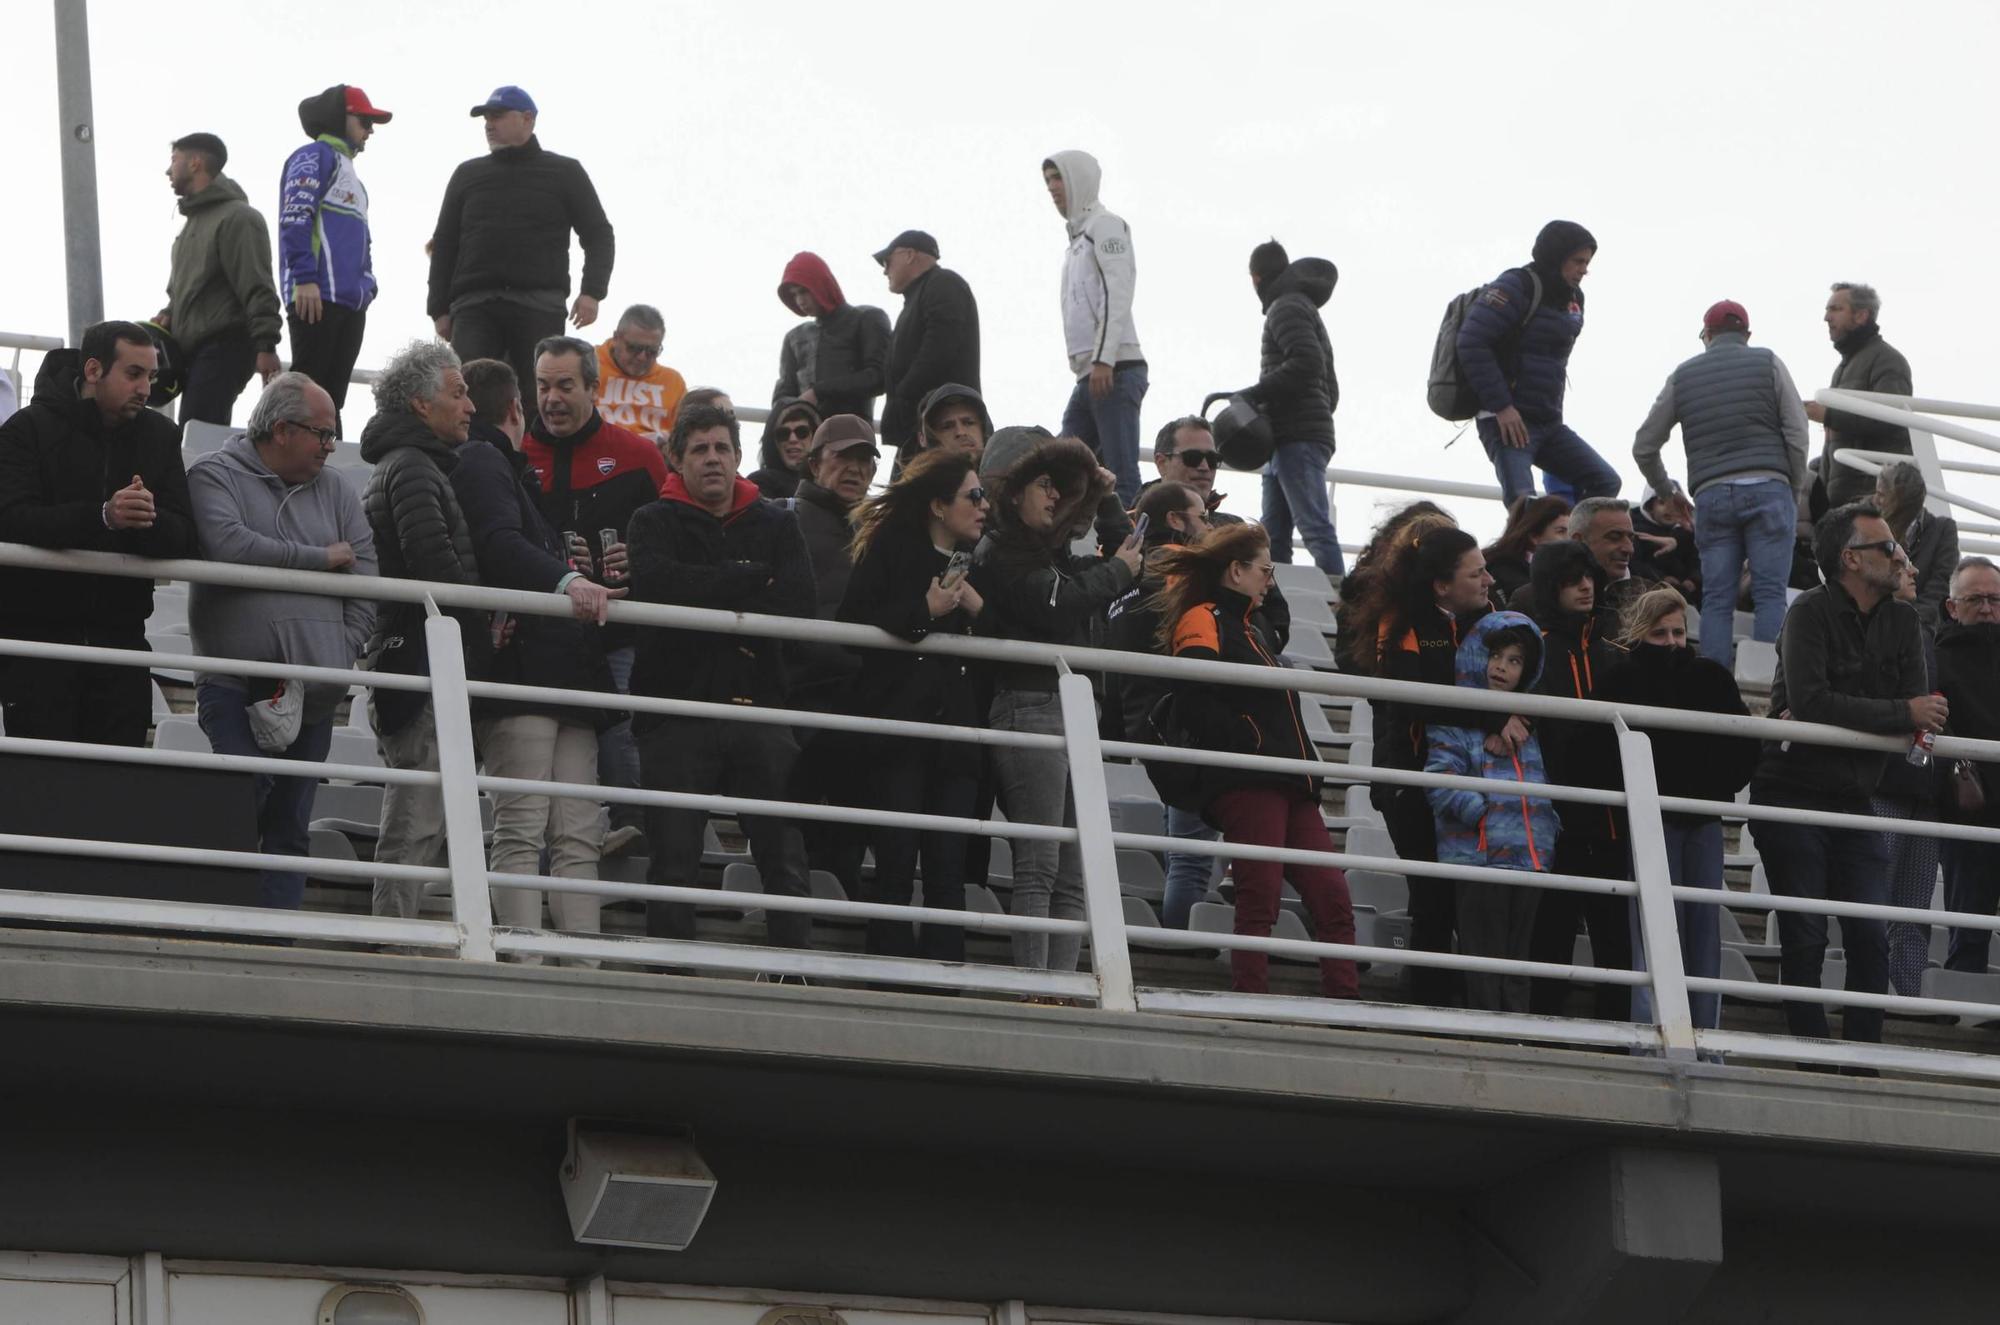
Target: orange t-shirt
(645, 405)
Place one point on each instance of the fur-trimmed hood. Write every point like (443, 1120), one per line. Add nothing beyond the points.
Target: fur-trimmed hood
(1018, 456)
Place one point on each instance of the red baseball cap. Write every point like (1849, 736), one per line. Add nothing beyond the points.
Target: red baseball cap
(1725, 315)
(358, 104)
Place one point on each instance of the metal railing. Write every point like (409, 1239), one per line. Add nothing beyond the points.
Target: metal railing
(1109, 983)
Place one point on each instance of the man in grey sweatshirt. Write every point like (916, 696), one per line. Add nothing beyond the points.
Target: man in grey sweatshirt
(266, 500)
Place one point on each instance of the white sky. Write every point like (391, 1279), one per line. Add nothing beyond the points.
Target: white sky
(1748, 151)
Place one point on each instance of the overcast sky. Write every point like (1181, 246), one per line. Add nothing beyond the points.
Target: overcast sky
(1748, 151)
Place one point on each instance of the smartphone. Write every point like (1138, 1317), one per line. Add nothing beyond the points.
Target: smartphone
(955, 569)
(1140, 526)
(499, 628)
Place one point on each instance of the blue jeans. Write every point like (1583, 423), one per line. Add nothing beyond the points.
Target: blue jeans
(1694, 860)
(1843, 865)
(617, 748)
(1555, 449)
(1111, 425)
(1188, 875)
(1295, 495)
(1734, 521)
(284, 805)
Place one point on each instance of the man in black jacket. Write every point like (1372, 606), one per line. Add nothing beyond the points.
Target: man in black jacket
(500, 254)
(1851, 655)
(87, 465)
(1968, 661)
(937, 334)
(711, 541)
(1298, 392)
(516, 548)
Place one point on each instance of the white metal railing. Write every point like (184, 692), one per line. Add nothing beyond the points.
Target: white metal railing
(473, 936)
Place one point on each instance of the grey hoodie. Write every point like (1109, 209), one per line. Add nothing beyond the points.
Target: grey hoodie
(247, 515)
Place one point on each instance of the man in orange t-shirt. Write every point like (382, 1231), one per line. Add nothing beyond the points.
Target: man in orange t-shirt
(634, 389)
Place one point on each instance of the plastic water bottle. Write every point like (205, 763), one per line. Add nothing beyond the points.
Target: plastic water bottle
(1920, 746)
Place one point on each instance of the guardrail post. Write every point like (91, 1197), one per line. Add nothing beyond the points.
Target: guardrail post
(1659, 930)
(1111, 959)
(465, 843)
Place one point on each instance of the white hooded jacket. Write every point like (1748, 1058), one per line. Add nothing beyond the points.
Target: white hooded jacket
(1098, 272)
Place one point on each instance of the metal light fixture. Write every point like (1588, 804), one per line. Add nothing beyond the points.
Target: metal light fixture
(369, 1304)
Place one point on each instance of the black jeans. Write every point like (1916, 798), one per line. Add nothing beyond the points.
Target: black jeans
(1844, 865)
(1607, 918)
(217, 371)
(502, 329)
(326, 350)
(749, 759)
(920, 777)
(1433, 901)
(97, 703)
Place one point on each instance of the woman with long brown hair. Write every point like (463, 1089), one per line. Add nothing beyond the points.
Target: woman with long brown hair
(1212, 588)
(1363, 594)
(1531, 522)
(904, 581)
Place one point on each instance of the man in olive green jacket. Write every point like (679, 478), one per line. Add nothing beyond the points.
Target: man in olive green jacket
(222, 303)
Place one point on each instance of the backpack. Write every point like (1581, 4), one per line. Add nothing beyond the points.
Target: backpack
(1450, 396)
(1178, 784)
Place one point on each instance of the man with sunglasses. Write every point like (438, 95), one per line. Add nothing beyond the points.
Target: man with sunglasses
(1184, 452)
(265, 499)
(1850, 655)
(635, 391)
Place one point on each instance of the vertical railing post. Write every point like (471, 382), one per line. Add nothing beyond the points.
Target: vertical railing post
(1659, 928)
(1111, 958)
(465, 843)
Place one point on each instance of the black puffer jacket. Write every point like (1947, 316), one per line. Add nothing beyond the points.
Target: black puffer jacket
(750, 560)
(517, 549)
(1247, 720)
(1041, 591)
(1297, 390)
(420, 534)
(58, 466)
(505, 225)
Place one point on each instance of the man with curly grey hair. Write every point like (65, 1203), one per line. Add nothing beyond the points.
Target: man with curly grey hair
(1867, 363)
(422, 415)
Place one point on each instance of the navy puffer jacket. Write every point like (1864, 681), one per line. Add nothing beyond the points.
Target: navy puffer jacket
(1533, 383)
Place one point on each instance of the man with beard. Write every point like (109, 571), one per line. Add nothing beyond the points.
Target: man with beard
(221, 303)
(1867, 363)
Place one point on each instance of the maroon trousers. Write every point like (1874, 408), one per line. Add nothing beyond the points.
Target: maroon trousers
(1269, 817)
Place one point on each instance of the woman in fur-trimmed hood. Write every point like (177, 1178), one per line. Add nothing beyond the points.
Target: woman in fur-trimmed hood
(1043, 492)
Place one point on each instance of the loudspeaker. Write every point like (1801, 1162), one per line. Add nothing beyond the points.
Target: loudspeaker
(627, 1185)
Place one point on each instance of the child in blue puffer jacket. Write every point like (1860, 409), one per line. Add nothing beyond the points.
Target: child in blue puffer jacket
(1506, 830)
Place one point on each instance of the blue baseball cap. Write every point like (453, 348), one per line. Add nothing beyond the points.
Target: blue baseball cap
(506, 98)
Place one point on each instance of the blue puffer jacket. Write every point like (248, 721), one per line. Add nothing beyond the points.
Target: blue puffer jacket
(1526, 366)
(1503, 830)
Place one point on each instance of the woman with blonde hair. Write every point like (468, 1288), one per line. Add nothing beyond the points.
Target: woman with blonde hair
(1212, 589)
(1661, 671)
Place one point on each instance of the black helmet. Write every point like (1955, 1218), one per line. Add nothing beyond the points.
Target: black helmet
(167, 386)
(1242, 435)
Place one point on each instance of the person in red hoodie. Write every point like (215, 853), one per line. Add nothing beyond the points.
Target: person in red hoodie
(713, 541)
(835, 363)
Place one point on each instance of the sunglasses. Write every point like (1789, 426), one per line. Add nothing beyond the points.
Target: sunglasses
(1888, 547)
(644, 351)
(794, 432)
(1192, 457)
(974, 495)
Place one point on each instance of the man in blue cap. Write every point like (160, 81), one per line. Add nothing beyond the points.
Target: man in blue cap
(500, 255)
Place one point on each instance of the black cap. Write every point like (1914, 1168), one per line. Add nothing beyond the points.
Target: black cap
(915, 239)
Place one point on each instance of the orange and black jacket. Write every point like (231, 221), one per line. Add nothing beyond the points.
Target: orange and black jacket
(1238, 719)
(1576, 753)
(1423, 649)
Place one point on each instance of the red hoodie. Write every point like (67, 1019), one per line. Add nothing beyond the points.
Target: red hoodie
(745, 496)
(809, 271)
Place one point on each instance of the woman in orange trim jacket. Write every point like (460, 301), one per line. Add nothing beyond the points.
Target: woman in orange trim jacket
(1503, 829)
(1212, 587)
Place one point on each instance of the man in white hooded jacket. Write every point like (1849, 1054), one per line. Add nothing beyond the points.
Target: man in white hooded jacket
(1097, 283)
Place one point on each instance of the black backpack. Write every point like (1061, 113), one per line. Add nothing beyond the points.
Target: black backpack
(1451, 396)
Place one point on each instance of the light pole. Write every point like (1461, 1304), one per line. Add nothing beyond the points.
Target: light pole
(83, 260)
